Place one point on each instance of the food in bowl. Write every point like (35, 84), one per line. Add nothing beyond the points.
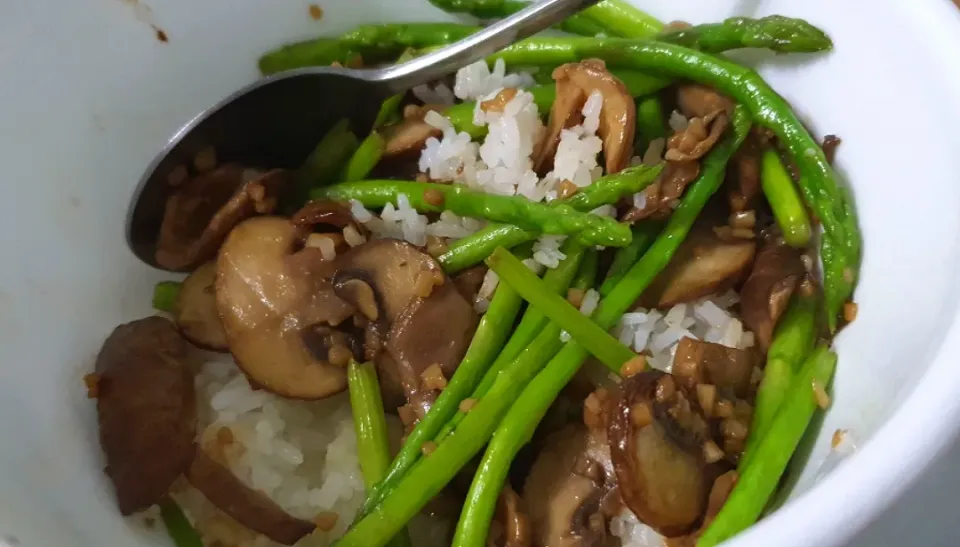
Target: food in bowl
(602, 276)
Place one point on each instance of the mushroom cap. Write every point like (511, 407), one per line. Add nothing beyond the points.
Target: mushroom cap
(660, 468)
(765, 295)
(384, 279)
(269, 294)
(561, 497)
(200, 214)
(146, 410)
(195, 310)
(575, 83)
(703, 264)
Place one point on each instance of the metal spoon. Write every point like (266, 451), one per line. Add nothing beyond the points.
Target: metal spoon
(276, 121)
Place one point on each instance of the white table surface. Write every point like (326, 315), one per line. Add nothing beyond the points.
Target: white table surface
(928, 513)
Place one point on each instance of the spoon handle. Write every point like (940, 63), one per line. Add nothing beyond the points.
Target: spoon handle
(530, 20)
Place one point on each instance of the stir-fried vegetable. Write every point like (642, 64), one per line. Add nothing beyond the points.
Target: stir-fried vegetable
(792, 342)
(774, 32)
(595, 339)
(643, 236)
(165, 295)
(373, 449)
(325, 164)
(605, 191)
(785, 201)
(181, 532)
(487, 342)
(364, 158)
(759, 478)
(558, 218)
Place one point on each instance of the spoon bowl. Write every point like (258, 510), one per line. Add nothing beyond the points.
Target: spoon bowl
(277, 121)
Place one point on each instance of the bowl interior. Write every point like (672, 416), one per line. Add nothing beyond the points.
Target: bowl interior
(93, 93)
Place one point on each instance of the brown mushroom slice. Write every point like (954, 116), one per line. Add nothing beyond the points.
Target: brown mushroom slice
(698, 101)
(704, 264)
(146, 410)
(435, 330)
(391, 267)
(195, 310)
(409, 136)
(698, 362)
(765, 294)
(575, 83)
(514, 526)
(326, 213)
(700, 135)
(200, 214)
(247, 506)
(563, 502)
(658, 458)
(746, 174)
(269, 296)
(383, 280)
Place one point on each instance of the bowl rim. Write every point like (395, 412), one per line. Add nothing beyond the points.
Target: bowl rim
(849, 498)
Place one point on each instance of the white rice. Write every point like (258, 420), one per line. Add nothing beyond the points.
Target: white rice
(658, 334)
(546, 250)
(632, 532)
(302, 454)
(476, 81)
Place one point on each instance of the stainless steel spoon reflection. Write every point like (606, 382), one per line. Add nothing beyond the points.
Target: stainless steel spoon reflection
(276, 121)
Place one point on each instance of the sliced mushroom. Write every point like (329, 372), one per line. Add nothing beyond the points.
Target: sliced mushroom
(247, 506)
(765, 294)
(409, 135)
(746, 174)
(270, 295)
(383, 279)
(470, 280)
(719, 492)
(700, 135)
(698, 362)
(200, 214)
(658, 455)
(431, 331)
(575, 83)
(512, 520)
(195, 310)
(326, 213)
(565, 489)
(146, 409)
(703, 264)
(698, 101)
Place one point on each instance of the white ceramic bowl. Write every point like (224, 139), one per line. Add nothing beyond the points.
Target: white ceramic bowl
(90, 94)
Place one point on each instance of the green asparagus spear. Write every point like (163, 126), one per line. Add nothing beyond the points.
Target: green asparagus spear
(364, 158)
(165, 295)
(487, 341)
(521, 420)
(316, 52)
(426, 197)
(366, 43)
(432, 473)
(497, 9)
(760, 477)
(785, 201)
(181, 532)
(557, 280)
(390, 108)
(643, 236)
(621, 18)
(792, 342)
(587, 275)
(840, 246)
(373, 449)
(605, 191)
(595, 339)
(326, 162)
(651, 121)
(775, 32)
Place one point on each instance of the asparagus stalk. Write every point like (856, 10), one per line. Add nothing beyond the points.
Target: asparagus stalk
(785, 201)
(165, 295)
